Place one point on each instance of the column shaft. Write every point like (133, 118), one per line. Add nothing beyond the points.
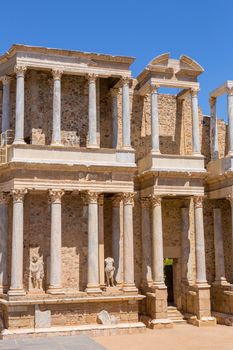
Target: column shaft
(200, 241)
(218, 246)
(6, 103)
(154, 119)
(56, 133)
(101, 240)
(129, 285)
(117, 244)
(230, 119)
(126, 132)
(114, 96)
(146, 242)
(157, 241)
(213, 129)
(186, 257)
(92, 113)
(195, 123)
(19, 112)
(16, 287)
(55, 283)
(4, 203)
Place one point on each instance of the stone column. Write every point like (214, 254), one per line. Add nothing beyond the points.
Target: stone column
(186, 258)
(213, 129)
(154, 118)
(230, 198)
(200, 241)
(56, 133)
(126, 129)
(6, 104)
(19, 108)
(93, 285)
(117, 242)
(114, 95)
(4, 207)
(195, 122)
(230, 119)
(129, 285)
(218, 248)
(101, 240)
(92, 113)
(55, 282)
(157, 241)
(16, 287)
(146, 242)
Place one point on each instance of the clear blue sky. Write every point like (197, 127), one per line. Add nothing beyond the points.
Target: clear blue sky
(201, 29)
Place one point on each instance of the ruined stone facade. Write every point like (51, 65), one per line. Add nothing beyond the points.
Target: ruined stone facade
(96, 164)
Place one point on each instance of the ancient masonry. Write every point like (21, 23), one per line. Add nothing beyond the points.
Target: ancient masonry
(116, 199)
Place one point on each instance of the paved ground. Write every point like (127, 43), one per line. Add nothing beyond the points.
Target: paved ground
(79, 342)
(181, 337)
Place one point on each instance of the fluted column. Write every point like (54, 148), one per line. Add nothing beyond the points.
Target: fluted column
(230, 119)
(92, 112)
(200, 241)
(126, 129)
(5, 104)
(129, 285)
(154, 118)
(55, 282)
(220, 277)
(19, 108)
(101, 239)
(56, 132)
(117, 242)
(195, 122)
(146, 242)
(157, 241)
(213, 129)
(4, 207)
(114, 95)
(186, 258)
(93, 285)
(16, 287)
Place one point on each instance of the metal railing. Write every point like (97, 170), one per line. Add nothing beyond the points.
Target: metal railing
(6, 139)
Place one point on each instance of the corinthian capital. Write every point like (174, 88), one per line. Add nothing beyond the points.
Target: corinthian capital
(114, 91)
(198, 201)
(156, 200)
(56, 195)
(18, 195)
(116, 200)
(145, 202)
(91, 197)
(128, 198)
(229, 91)
(230, 199)
(154, 88)
(5, 79)
(57, 73)
(92, 77)
(212, 101)
(20, 70)
(194, 92)
(125, 80)
(4, 198)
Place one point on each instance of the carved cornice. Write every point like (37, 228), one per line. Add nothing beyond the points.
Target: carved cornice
(116, 200)
(20, 70)
(57, 73)
(92, 78)
(4, 198)
(156, 200)
(56, 195)
(229, 91)
(154, 88)
(128, 198)
(194, 92)
(18, 195)
(198, 201)
(145, 202)
(5, 80)
(101, 199)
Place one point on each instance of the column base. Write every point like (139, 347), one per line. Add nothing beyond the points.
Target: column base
(93, 146)
(54, 144)
(196, 154)
(19, 142)
(129, 288)
(127, 148)
(221, 282)
(55, 290)
(93, 289)
(16, 292)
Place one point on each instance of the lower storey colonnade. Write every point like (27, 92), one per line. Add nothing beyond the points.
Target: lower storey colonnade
(123, 253)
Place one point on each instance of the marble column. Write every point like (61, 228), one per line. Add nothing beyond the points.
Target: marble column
(5, 105)
(4, 207)
(220, 277)
(92, 113)
(186, 257)
(117, 239)
(157, 242)
(230, 119)
(16, 287)
(56, 132)
(154, 118)
(195, 122)
(19, 108)
(114, 95)
(146, 242)
(213, 129)
(93, 285)
(128, 285)
(126, 129)
(55, 278)
(200, 241)
(101, 240)
(230, 198)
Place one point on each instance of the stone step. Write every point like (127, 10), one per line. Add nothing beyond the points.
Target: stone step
(175, 315)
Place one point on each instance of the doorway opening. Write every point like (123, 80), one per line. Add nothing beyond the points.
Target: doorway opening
(168, 273)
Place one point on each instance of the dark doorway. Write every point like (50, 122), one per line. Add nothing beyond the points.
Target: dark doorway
(168, 273)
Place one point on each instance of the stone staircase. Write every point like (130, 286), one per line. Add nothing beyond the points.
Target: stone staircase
(175, 315)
